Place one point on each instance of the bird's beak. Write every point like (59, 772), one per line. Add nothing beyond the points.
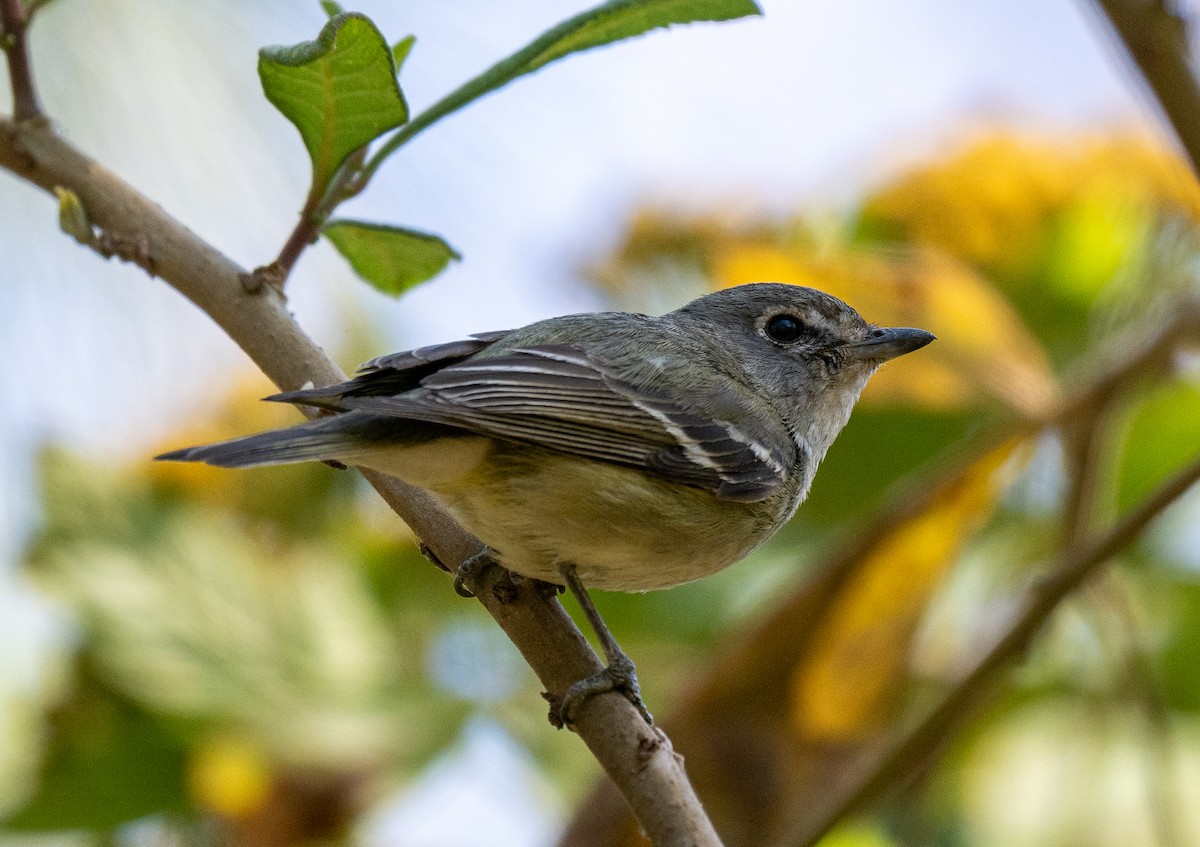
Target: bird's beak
(887, 343)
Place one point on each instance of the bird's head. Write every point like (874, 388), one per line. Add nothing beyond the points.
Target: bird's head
(809, 353)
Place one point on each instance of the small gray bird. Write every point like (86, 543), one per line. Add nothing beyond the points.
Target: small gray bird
(613, 450)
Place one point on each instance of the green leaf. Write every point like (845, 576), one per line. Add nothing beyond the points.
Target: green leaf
(609, 22)
(390, 258)
(340, 91)
(401, 49)
(1178, 643)
(1163, 436)
(108, 762)
(617, 20)
(864, 463)
(331, 8)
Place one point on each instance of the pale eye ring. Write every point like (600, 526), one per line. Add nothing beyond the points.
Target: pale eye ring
(784, 328)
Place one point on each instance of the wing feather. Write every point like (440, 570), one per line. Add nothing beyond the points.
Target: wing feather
(560, 398)
(392, 374)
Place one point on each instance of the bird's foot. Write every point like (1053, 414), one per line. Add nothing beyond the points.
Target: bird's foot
(471, 568)
(620, 676)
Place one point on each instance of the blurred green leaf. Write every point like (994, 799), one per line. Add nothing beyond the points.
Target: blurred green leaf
(1176, 657)
(84, 500)
(391, 258)
(1164, 434)
(1090, 241)
(340, 91)
(857, 835)
(199, 616)
(875, 450)
(109, 762)
(331, 8)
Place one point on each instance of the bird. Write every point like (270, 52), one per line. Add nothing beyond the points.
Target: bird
(609, 450)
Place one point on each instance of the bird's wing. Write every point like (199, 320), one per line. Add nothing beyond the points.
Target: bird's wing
(558, 397)
(392, 374)
(440, 355)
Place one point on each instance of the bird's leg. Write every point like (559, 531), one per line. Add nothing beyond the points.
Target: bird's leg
(619, 675)
(471, 567)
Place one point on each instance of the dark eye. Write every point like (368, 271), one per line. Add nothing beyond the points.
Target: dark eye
(784, 329)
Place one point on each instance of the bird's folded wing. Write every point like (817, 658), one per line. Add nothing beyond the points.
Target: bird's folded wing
(392, 374)
(440, 354)
(559, 398)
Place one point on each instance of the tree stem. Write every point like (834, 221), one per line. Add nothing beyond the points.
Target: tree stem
(14, 22)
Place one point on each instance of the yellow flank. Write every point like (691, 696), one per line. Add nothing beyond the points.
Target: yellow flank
(445, 464)
(622, 529)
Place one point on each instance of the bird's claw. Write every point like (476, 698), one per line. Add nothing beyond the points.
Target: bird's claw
(471, 567)
(620, 675)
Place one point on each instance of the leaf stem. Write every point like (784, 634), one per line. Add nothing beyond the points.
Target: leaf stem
(318, 206)
(14, 23)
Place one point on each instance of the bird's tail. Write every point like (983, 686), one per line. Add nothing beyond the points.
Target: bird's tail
(316, 440)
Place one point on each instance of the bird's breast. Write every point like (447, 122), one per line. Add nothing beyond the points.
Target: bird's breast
(623, 529)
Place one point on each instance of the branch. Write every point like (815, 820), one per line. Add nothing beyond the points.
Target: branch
(14, 22)
(1156, 39)
(1085, 438)
(1072, 567)
(638, 758)
(315, 212)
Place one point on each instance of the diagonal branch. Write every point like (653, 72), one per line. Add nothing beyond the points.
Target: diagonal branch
(1071, 569)
(639, 759)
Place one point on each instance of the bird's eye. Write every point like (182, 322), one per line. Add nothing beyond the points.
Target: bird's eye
(784, 329)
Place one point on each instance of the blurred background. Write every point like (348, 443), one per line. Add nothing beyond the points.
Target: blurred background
(198, 656)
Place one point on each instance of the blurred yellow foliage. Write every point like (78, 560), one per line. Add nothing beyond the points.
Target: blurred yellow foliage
(983, 346)
(992, 202)
(978, 243)
(239, 413)
(654, 237)
(298, 497)
(860, 648)
(229, 776)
